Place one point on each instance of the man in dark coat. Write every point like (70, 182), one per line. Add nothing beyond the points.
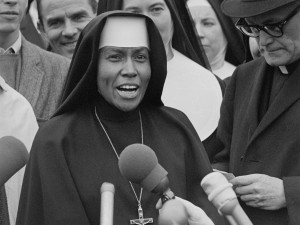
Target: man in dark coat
(259, 122)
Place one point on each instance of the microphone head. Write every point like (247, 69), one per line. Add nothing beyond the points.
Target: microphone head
(139, 164)
(107, 187)
(13, 156)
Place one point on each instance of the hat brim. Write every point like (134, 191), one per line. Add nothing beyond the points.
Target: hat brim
(248, 8)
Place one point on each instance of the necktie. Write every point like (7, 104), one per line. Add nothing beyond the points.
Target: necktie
(4, 217)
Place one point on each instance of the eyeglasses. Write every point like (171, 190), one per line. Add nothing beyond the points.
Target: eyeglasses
(275, 29)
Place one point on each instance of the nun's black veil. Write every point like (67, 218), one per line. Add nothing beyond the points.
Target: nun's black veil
(235, 53)
(184, 38)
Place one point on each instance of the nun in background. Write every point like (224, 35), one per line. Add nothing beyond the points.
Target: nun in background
(189, 86)
(112, 99)
(221, 41)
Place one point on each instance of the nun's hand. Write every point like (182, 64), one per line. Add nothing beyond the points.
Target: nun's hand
(260, 191)
(196, 216)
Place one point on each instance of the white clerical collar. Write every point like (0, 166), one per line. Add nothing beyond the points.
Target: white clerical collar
(16, 46)
(283, 70)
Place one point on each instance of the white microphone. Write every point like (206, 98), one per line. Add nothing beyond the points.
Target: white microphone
(107, 204)
(223, 197)
(173, 212)
(13, 156)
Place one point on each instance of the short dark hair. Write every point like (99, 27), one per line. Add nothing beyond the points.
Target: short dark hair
(93, 4)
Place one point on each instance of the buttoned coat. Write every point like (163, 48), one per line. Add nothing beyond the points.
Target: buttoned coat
(43, 75)
(271, 146)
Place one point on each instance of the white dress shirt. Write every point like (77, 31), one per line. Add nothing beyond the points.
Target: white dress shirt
(17, 119)
(16, 46)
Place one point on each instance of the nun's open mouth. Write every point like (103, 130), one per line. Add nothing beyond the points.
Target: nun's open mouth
(128, 91)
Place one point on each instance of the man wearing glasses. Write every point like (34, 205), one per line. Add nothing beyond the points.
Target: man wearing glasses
(260, 113)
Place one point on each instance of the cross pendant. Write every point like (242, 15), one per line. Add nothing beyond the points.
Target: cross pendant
(141, 220)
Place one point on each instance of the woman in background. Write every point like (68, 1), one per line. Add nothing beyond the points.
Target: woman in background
(222, 42)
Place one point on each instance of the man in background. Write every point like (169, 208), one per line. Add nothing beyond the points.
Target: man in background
(260, 113)
(35, 73)
(61, 22)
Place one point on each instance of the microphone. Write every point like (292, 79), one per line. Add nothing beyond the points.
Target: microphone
(173, 212)
(107, 204)
(222, 196)
(13, 156)
(139, 164)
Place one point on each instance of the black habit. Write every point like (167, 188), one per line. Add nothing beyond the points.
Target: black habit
(71, 156)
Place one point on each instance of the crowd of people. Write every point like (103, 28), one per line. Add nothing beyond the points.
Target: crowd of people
(209, 85)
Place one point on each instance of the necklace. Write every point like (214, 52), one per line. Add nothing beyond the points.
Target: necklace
(141, 220)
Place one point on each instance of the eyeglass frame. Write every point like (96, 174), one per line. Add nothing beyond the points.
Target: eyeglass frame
(279, 25)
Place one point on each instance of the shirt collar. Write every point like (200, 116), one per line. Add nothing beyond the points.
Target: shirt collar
(16, 46)
(2, 85)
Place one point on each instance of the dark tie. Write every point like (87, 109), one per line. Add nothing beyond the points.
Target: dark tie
(4, 218)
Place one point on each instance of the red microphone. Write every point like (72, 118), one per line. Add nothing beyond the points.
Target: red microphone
(13, 156)
(107, 204)
(139, 164)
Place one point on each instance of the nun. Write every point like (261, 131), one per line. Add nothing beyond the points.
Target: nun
(222, 42)
(190, 86)
(112, 99)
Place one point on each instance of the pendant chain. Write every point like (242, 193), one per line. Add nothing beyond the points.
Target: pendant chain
(139, 199)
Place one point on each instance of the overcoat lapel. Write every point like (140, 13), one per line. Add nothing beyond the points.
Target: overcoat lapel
(289, 94)
(253, 106)
(32, 73)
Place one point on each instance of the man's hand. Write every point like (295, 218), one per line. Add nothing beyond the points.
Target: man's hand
(260, 191)
(196, 216)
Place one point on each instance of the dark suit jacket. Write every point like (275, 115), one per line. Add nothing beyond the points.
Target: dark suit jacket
(271, 146)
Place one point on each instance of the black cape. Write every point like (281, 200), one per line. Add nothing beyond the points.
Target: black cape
(71, 156)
